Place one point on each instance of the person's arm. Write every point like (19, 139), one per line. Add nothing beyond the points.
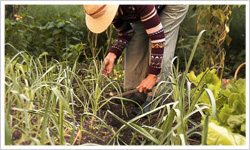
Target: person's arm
(154, 29)
(125, 33)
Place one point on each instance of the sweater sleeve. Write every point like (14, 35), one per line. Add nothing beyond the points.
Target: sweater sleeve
(125, 33)
(154, 29)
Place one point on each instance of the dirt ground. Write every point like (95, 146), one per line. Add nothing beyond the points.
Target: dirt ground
(126, 134)
(104, 134)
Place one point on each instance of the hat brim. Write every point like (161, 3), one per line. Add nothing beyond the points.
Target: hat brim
(100, 24)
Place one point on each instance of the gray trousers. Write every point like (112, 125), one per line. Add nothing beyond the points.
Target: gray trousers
(137, 54)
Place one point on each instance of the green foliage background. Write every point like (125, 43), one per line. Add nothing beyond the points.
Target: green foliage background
(60, 30)
(235, 51)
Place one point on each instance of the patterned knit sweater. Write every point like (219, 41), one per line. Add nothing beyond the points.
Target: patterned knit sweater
(148, 15)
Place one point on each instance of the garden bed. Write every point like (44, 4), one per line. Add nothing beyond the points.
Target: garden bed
(54, 103)
(126, 134)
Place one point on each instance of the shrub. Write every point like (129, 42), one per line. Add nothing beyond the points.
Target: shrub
(62, 35)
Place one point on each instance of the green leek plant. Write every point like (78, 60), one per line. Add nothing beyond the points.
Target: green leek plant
(182, 95)
(93, 43)
(96, 85)
(171, 125)
(38, 99)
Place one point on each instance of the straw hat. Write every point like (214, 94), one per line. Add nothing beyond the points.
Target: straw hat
(99, 17)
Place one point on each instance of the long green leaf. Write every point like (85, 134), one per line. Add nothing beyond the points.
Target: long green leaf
(136, 128)
(90, 114)
(182, 139)
(212, 101)
(139, 117)
(50, 139)
(145, 132)
(61, 98)
(45, 122)
(8, 140)
(167, 126)
(205, 131)
(192, 53)
(94, 135)
(152, 128)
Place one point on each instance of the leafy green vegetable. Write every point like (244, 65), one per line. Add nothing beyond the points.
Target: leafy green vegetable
(231, 103)
(230, 100)
(236, 120)
(243, 128)
(218, 135)
(222, 98)
(239, 139)
(224, 114)
(210, 79)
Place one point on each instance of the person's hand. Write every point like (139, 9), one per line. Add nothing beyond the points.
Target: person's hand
(147, 84)
(109, 63)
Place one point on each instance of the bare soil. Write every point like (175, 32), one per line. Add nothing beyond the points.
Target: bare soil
(95, 127)
(126, 134)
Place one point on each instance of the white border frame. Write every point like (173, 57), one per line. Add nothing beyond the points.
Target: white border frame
(5, 2)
